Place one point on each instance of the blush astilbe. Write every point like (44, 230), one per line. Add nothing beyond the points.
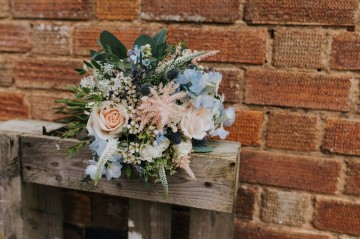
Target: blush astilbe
(160, 107)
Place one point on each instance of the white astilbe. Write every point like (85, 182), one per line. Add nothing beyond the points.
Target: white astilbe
(199, 58)
(160, 107)
(110, 149)
(182, 60)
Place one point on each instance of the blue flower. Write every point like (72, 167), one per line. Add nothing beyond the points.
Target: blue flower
(228, 116)
(98, 146)
(206, 101)
(188, 76)
(220, 132)
(135, 54)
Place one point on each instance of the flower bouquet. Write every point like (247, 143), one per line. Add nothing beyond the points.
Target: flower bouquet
(145, 109)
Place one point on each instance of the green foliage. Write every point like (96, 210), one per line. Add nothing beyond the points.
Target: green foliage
(112, 45)
(75, 149)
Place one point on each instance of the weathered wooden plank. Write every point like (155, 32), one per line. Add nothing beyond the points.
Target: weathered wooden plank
(44, 162)
(25, 126)
(11, 222)
(149, 220)
(42, 212)
(205, 224)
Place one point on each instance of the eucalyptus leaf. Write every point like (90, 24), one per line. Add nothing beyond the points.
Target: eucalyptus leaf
(108, 40)
(202, 149)
(101, 56)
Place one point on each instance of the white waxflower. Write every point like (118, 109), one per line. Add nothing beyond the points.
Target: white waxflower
(108, 68)
(88, 82)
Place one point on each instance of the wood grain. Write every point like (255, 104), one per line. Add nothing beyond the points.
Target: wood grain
(149, 220)
(205, 224)
(44, 162)
(11, 222)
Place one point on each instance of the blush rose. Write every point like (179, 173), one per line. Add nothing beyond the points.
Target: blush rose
(107, 120)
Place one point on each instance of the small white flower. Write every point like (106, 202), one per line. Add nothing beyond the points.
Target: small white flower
(113, 170)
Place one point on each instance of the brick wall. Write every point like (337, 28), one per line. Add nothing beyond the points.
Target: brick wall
(291, 69)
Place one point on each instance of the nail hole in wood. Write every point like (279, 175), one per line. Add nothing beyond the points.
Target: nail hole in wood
(55, 164)
(232, 165)
(28, 167)
(58, 178)
(208, 184)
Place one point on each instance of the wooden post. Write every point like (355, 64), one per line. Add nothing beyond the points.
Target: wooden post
(149, 220)
(11, 222)
(205, 224)
(27, 210)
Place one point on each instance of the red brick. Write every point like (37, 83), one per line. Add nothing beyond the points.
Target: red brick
(85, 35)
(4, 8)
(247, 127)
(295, 48)
(110, 212)
(57, 34)
(288, 208)
(12, 105)
(352, 185)
(337, 216)
(193, 11)
(305, 90)
(345, 52)
(5, 73)
(231, 84)
(342, 136)
(255, 231)
(290, 171)
(14, 37)
(243, 45)
(291, 131)
(321, 12)
(245, 202)
(42, 104)
(77, 208)
(51, 9)
(46, 73)
(117, 10)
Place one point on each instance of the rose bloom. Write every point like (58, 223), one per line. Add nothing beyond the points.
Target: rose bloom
(107, 120)
(183, 149)
(196, 122)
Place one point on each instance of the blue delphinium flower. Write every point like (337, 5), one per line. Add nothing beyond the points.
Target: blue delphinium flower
(98, 146)
(135, 54)
(213, 80)
(228, 116)
(188, 76)
(221, 132)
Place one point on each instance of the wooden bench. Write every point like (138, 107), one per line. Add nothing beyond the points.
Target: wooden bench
(34, 168)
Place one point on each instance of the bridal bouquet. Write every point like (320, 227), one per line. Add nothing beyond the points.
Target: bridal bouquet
(145, 109)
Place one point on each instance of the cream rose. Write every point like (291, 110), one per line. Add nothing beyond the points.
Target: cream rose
(196, 122)
(149, 152)
(183, 149)
(107, 120)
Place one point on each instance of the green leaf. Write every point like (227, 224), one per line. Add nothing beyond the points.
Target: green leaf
(95, 64)
(160, 40)
(82, 72)
(86, 179)
(160, 37)
(79, 69)
(93, 53)
(202, 149)
(88, 64)
(128, 171)
(107, 39)
(145, 39)
(101, 56)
